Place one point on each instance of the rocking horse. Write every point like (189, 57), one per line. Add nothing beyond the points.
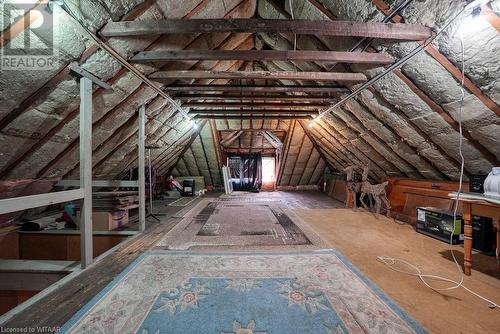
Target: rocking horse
(352, 187)
(377, 191)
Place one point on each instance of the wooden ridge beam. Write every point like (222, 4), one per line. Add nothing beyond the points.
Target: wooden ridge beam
(267, 98)
(278, 75)
(257, 55)
(305, 27)
(256, 89)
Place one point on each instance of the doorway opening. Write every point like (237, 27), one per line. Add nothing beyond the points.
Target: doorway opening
(268, 173)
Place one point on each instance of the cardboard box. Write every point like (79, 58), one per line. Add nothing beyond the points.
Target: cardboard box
(106, 221)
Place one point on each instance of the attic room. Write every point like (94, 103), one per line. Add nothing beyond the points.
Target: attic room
(250, 166)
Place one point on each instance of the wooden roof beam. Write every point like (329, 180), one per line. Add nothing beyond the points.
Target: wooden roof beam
(305, 27)
(251, 112)
(252, 117)
(253, 105)
(256, 89)
(278, 75)
(266, 98)
(257, 55)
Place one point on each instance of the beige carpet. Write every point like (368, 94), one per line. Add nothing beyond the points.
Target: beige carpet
(216, 223)
(362, 236)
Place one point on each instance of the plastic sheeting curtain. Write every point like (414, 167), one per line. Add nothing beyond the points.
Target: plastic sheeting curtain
(246, 171)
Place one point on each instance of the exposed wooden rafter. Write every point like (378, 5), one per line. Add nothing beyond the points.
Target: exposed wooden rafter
(257, 55)
(306, 27)
(253, 98)
(271, 105)
(279, 75)
(447, 64)
(252, 112)
(251, 117)
(256, 88)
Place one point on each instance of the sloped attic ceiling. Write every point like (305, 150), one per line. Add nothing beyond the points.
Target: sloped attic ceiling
(302, 163)
(405, 125)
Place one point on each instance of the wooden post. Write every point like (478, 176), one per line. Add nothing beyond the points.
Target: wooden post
(86, 252)
(141, 167)
(467, 216)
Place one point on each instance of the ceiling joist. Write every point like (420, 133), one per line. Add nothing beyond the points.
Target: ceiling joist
(256, 89)
(305, 27)
(253, 105)
(252, 117)
(266, 98)
(257, 55)
(279, 75)
(252, 112)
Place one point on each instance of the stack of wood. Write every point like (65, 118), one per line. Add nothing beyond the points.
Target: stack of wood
(114, 200)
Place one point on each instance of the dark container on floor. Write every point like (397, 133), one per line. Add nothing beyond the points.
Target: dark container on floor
(188, 188)
(438, 224)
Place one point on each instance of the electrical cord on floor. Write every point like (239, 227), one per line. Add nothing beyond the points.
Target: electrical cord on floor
(392, 262)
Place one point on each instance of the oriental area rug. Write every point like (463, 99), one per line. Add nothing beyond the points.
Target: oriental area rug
(219, 223)
(241, 293)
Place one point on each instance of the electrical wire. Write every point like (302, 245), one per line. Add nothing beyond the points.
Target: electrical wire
(391, 262)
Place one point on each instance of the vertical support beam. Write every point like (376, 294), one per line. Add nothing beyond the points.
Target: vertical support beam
(86, 252)
(142, 166)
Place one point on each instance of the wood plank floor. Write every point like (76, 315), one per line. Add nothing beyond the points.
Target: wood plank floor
(56, 308)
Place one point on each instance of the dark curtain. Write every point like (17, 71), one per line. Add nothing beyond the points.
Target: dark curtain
(246, 171)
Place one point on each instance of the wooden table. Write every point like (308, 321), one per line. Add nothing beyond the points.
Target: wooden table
(477, 205)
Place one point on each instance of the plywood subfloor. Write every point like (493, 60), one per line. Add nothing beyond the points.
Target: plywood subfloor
(362, 236)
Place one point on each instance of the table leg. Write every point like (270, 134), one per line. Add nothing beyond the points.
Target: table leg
(467, 238)
(497, 226)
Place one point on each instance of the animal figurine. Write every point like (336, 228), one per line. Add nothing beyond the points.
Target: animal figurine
(377, 191)
(352, 187)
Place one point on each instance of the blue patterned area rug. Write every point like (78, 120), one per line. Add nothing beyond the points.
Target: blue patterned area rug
(259, 293)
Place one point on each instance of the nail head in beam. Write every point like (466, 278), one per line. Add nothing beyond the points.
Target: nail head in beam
(257, 89)
(278, 75)
(83, 73)
(270, 55)
(304, 27)
(251, 117)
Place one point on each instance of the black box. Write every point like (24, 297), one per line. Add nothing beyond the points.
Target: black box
(476, 183)
(483, 234)
(438, 224)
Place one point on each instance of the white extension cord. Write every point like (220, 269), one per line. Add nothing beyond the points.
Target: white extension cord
(392, 262)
